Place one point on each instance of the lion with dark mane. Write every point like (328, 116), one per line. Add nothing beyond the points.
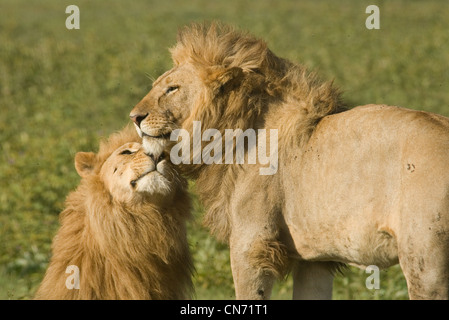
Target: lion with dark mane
(365, 186)
(123, 233)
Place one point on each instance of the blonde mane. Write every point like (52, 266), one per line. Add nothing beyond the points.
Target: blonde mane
(123, 251)
(268, 81)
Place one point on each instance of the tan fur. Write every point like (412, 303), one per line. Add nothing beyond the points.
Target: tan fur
(127, 244)
(363, 186)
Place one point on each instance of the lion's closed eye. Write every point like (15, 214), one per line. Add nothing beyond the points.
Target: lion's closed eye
(171, 89)
(126, 151)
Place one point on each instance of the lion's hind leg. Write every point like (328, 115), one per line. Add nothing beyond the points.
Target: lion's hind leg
(425, 264)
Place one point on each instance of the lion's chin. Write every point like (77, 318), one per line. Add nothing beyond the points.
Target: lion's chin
(154, 146)
(155, 183)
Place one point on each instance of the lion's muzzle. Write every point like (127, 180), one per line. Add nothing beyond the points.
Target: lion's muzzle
(138, 118)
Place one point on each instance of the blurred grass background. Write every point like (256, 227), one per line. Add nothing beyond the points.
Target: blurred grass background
(62, 90)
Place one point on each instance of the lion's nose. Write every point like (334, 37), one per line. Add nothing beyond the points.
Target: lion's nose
(138, 118)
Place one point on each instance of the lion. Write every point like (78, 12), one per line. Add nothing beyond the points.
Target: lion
(363, 186)
(123, 230)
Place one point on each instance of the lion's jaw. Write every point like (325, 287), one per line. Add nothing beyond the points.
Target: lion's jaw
(130, 173)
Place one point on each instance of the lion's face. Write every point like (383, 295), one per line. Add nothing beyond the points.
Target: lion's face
(166, 106)
(130, 170)
(130, 174)
(177, 94)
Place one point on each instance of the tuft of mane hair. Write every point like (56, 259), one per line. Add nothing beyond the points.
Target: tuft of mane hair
(122, 251)
(218, 45)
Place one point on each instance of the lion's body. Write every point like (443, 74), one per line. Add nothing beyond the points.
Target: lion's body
(364, 186)
(125, 244)
(365, 191)
(371, 187)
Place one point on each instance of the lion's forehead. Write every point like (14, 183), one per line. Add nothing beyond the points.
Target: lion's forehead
(185, 73)
(132, 145)
(115, 162)
(165, 77)
(131, 162)
(117, 159)
(119, 170)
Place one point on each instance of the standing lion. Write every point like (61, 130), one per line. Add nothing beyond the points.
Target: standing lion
(123, 233)
(366, 186)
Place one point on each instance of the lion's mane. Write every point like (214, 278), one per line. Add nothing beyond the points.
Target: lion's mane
(268, 82)
(130, 251)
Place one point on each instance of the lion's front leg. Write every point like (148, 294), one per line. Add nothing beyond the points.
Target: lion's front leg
(255, 265)
(251, 282)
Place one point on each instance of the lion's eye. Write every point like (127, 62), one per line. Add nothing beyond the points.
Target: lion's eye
(171, 89)
(126, 152)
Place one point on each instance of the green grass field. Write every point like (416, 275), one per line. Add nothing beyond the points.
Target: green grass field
(62, 90)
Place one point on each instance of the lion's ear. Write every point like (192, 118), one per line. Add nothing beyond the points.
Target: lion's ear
(84, 163)
(222, 79)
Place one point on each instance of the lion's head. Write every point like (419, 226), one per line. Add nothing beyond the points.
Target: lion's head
(123, 227)
(128, 172)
